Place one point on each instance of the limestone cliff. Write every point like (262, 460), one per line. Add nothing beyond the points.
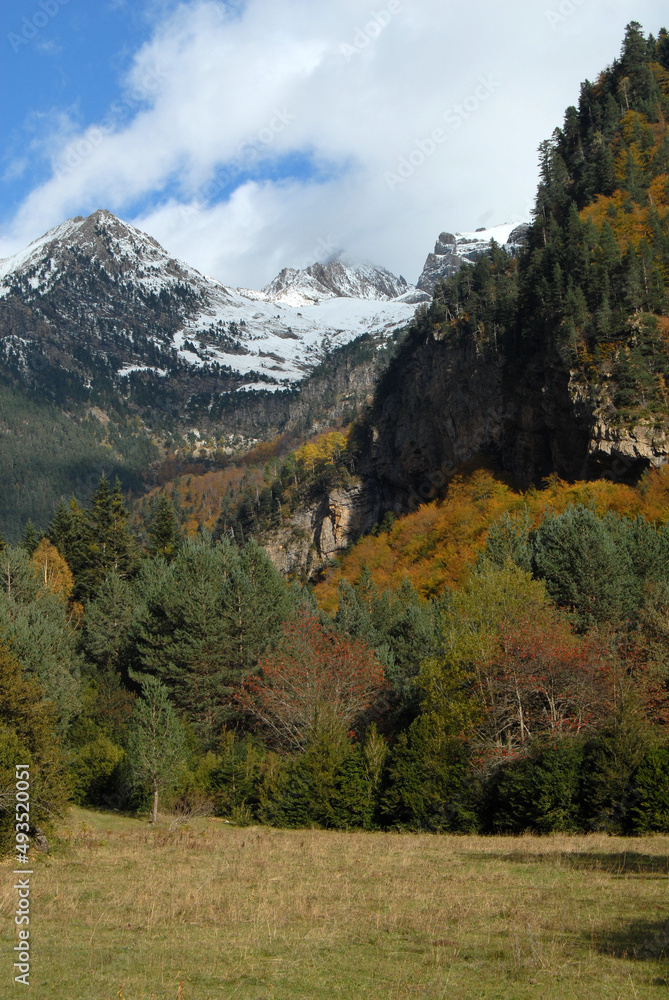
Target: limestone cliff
(447, 399)
(315, 535)
(453, 250)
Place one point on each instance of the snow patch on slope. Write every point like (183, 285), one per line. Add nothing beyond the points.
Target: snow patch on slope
(278, 334)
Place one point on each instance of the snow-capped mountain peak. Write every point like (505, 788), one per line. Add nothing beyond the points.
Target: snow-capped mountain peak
(99, 287)
(114, 245)
(335, 279)
(452, 250)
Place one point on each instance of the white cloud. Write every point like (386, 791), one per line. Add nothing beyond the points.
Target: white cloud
(361, 89)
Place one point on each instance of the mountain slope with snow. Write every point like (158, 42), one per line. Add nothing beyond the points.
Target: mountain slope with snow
(335, 279)
(106, 302)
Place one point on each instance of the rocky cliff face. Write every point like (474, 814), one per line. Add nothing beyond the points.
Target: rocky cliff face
(452, 250)
(446, 400)
(337, 279)
(315, 535)
(440, 404)
(333, 393)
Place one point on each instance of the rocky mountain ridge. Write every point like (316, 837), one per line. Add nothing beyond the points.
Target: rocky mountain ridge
(336, 279)
(103, 302)
(453, 250)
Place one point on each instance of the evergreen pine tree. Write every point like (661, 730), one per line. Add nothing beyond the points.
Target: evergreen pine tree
(178, 634)
(663, 48)
(30, 538)
(59, 530)
(650, 793)
(69, 532)
(352, 800)
(583, 568)
(156, 743)
(353, 616)
(254, 604)
(425, 784)
(634, 52)
(109, 545)
(121, 542)
(107, 623)
(164, 533)
(205, 620)
(537, 792)
(34, 619)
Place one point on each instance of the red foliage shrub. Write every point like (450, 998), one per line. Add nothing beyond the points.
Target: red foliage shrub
(312, 673)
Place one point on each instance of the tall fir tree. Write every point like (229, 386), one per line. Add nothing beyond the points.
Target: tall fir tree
(109, 546)
(156, 743)
(164, 532)
(30, 538)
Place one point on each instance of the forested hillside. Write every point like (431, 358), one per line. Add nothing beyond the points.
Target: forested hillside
(555, 361)
(46, 453)
(260, 490)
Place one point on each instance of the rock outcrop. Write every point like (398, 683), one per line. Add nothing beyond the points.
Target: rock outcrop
(447, 400)
(315, 535)
(452, 250)
(335, 279)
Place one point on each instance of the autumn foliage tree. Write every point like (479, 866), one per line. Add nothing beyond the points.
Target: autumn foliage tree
(312, 678)
(543, 679)
(52, 570)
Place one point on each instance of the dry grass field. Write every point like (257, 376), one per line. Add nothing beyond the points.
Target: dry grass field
(124, 910)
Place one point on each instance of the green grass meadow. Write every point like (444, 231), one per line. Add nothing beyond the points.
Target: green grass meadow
(121, 910)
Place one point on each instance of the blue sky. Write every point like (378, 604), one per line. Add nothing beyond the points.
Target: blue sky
(58, 59)
(251, 136)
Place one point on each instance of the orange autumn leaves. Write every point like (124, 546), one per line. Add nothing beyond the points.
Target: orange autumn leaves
(52, 570)
(435, 545)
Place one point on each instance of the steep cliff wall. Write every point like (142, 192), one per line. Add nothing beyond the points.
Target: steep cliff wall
(447, 399)
(440, 403)
(316, 534)
(341, 385)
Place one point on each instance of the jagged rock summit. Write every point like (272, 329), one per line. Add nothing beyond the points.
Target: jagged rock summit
(101, 299)
(452, 250)
(337, 279)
